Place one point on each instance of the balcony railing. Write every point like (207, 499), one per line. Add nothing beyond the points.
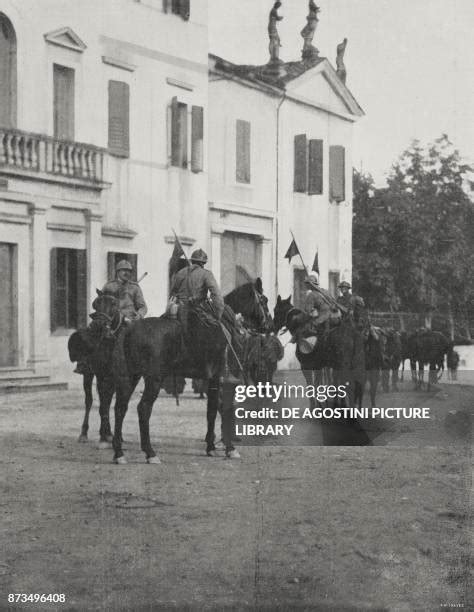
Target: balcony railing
(24, 151)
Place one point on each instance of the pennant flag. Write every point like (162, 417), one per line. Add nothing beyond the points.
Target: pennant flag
(177, 260)
(315, 267)
(292, 251)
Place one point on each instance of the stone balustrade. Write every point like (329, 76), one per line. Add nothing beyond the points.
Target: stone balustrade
(25, 151)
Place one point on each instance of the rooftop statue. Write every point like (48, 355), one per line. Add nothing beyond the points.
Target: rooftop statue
(274, 45)
(309, 50)
(341, 69)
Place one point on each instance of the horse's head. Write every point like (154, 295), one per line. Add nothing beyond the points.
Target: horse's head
(252, 304)
(106, 315)
(280, 313)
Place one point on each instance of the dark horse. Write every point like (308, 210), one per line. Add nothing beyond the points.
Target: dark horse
(427, 347)
(152, 348)
(94, 346)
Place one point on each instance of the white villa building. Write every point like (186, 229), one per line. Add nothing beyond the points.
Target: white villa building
(116, 125)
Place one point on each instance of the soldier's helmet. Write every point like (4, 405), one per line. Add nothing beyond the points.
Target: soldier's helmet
(344, 284)
(124, 265)
(312, 279)
(199, 256)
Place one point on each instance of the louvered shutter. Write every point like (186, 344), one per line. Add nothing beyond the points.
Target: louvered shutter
(63, 80)
(301, 164)
(197, 138)
(119, 118)
(242, 151)
(184, 9)
(179, 133)
(53, 287)
(81, 289)
(315, 167)
(337, 192)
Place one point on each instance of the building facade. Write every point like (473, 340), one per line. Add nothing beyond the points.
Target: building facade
(117, 126)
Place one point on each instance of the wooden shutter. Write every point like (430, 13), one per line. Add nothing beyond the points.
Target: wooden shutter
(315, 167)
(242, 151)
(179, 134)
(53, 287)
(119, 118)
(337, 191)
(197, 136)
(301, 164)
(63, 81)
(81, 288)
(299, 287)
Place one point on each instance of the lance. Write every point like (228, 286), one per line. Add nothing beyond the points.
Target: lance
(142, 277)
(181, 247)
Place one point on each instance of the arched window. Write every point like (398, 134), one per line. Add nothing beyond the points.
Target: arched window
(7, 73)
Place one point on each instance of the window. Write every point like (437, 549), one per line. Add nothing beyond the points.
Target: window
(334, 277)
(113, 257)
(119, 118)
(242, 153)
(337, 186)
(308, 170)
(299, 287)
(68, 288)
(7, 73)
(181, 7)
(179, 135)
(63, 79)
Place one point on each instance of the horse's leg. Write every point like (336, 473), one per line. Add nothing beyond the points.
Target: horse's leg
(123, 392)
(374, 381)
(87, 386)
(414, 375)
(144, 408)
(228, 421)
(212, 408)
(105, 389)
(395, 376)
(386, 379)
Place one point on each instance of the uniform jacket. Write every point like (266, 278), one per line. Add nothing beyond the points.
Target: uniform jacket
(315, 301)
(192, 284)
(351, 302)
(130, 295)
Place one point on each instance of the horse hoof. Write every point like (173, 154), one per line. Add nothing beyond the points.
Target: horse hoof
(120, 460)
(211, 453)
(104, 445)
(109, 438)
(154, 460)
(82, 438)
(233, 454)
(220, 446)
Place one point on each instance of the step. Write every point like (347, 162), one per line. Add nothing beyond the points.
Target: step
(25, 378)
(31, 387)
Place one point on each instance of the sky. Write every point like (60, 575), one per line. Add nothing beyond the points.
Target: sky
(410, 64)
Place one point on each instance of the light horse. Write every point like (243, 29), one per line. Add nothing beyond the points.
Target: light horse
(152, 348)
(94, 346)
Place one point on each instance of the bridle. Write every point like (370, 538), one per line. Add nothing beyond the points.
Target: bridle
(109, 320)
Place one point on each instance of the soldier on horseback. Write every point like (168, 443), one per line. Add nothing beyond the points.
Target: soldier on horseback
(353, 304)
(191, 287)
(318, 303)
(132, 304)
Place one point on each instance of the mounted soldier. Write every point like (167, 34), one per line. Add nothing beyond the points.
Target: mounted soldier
(132, 304)
(194, 288)
(353, 304)
(319, 304)
(128, 292)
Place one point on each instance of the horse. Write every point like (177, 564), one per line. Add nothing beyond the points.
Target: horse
(427, 347)
(94, 346)
(339, 354)
(151, 348)
(393, 358)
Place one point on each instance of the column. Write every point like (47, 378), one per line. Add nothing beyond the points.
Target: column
(216, 255)
(39, 291)
(95, 256)
(268, 274)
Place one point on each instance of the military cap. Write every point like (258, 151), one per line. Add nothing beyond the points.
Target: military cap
(312, 279)
(199, 255)
(123, 265)
(344, 284)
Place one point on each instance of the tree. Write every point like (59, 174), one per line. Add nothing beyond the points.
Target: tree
(413, 239)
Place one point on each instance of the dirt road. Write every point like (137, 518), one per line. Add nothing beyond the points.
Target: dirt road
(285, 528)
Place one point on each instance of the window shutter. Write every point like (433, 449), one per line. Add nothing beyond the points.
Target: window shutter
(315, 167)
(301, 164)
(119, 118)
(53, 287)
(81, 289)
(337, 192)
(242, 151)
(197, 138)
(184, 9)
(179, 133)
(63, 82)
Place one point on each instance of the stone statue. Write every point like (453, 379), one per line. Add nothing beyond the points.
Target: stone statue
(341, 69)
(274, 45)
(309, 51)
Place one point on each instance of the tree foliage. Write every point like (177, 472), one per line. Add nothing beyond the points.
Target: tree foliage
(413, 240)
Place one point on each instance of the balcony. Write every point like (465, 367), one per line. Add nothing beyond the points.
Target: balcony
(39, 157)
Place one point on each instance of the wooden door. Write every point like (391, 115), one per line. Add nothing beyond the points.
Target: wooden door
(8, 306)
(241, 260)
